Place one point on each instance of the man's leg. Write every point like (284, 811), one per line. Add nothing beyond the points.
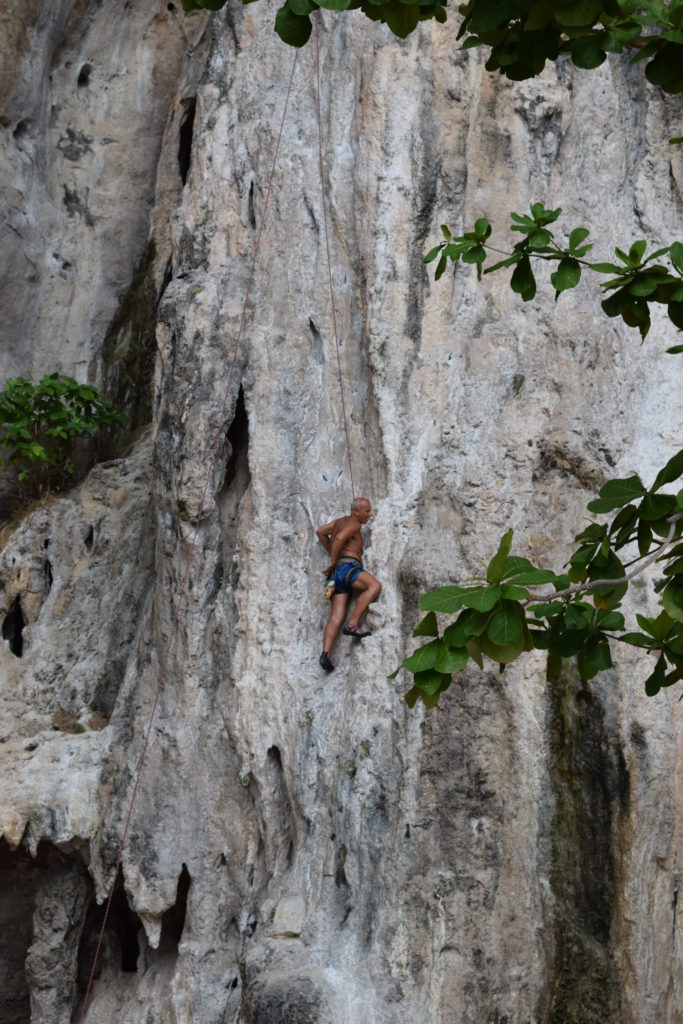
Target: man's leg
(338, 606)
(370, 589)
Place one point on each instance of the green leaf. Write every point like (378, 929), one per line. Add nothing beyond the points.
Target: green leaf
(512, 592)
(432, 254)
(481, 599)
(424, 657)
(411, 697)
(637, 251)
(657, 506)
(502, 654)
(428, 626)
(489, 15)
(474, 651)
(495, 567)
(657, 628)
(567, 275)
(547, 610)
(482, 228)
(292, 29)
(401, 18)
(672, 600)
(334, 5)
(452, 659)
(588, 53)
(636, 639)
(594, 657)
(611, 620)
(523, 281)
(506, 624)
(577, 236)
(644, 537)
(440, 267)
(676, 253)
(430, 681)
(533, 577)
(444, 599)
(616, 493)
(654, 682)
(514, 565)
(670, 472)
(606, 268)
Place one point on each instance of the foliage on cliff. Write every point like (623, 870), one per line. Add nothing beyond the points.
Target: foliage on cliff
(522, 34)
(516, 606)
(39, 425)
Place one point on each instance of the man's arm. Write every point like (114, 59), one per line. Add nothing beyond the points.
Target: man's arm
(324, 534)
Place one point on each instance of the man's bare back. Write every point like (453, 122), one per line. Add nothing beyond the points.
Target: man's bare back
(342, 540)
(347, 530)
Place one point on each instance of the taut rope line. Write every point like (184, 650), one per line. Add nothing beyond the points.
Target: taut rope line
(327, 246)
(183, 589)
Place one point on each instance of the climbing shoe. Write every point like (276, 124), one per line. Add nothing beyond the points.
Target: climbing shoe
(325, 662)
(356, 631)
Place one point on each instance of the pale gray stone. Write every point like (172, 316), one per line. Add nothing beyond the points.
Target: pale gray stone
(513, 856)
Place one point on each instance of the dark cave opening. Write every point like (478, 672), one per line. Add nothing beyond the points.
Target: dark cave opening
(235, 485)
(173, 921)
(185, 143)
(13, 628)
(84, 75)
(238, 439)
(120, 947)
(42, 901)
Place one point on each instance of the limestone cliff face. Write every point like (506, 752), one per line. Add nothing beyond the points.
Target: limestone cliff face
(304, 848)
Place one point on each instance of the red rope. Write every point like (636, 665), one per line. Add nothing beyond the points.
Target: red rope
(327, 246)
(183, 589)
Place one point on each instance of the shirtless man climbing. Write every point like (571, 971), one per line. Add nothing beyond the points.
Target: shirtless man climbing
(342, 540)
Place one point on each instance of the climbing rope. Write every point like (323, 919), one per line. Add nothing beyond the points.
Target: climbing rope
(212, 459)
(190, 557)
(327, 246)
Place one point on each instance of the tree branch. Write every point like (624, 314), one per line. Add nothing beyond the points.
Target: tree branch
(585, 588)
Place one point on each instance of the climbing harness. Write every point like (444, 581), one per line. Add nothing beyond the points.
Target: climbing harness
(212, 459)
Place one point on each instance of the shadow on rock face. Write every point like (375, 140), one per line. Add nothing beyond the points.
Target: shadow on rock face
(283, 999)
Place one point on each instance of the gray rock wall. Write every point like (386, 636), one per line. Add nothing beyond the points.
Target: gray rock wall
(304, 848)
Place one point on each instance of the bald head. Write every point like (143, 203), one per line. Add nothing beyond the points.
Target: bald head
(361, 509)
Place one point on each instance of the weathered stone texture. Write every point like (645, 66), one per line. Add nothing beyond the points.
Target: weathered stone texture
(305, 848)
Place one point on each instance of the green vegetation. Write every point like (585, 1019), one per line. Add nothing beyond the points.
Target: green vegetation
(517, 607)
(522, 34)
(39, 424)
(634, 281)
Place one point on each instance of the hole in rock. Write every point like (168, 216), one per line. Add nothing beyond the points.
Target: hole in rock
(20, 130)
(173, 921)
(236, 481)
(13, 627)
(170, 7)
(84, 76)
(120, 948)
(18, 886)
(252, 213)
(49, 578)
(89, 538)
(185, 144)
(56, 885)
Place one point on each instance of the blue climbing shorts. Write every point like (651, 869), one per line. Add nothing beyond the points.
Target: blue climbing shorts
(345, 575)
